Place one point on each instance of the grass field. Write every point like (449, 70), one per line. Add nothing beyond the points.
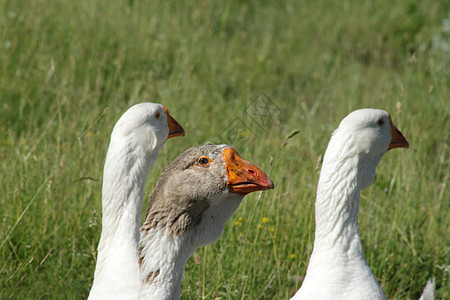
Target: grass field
(69, 69)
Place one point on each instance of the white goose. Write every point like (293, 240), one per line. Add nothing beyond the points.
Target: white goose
(194, 198)
(135, 142)
(337, 268)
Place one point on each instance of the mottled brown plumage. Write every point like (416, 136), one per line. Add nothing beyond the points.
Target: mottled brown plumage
(151, 277)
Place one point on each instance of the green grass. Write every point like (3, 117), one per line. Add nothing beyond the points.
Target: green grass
(69, 69)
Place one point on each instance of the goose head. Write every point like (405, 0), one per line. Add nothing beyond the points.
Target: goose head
(366, 134)
(146, 126)
(200, 191)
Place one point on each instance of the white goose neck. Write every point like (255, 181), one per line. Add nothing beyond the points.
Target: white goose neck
(125, 174)
(337, 268)
(337, 206)
(162, 264)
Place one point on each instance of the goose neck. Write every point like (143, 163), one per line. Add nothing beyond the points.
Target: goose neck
(125, 175)
(337, 206)
(162, 259)
(123, 189)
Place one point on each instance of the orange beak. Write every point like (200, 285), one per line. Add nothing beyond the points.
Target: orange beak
(397, 140)
(175, 129)
(244, 177)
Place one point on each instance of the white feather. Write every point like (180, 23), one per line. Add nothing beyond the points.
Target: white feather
(337, 268)
(135, 142)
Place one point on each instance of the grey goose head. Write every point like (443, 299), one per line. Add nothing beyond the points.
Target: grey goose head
(202, 177)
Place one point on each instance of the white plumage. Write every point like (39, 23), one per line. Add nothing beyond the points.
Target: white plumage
(429, 292)
(337, 268)
(135, 142)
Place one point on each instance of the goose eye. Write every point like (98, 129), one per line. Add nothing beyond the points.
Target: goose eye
(380, 121)
(157, 115)
(204, 161)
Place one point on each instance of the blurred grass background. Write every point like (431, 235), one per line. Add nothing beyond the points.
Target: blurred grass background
(69, 69)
